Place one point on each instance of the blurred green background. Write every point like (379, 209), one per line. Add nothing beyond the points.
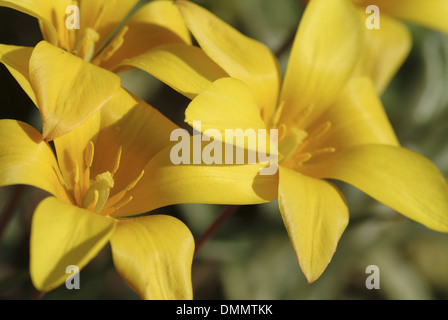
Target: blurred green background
(250, 257)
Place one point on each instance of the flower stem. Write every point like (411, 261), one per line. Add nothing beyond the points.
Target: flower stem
(10, 206)
(38, 295)
(223, 216)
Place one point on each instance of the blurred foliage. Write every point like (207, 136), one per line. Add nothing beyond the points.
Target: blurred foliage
(250, 257)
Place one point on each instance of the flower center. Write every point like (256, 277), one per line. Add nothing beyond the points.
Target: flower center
(83, 42)
(95, 194)
(299, 146)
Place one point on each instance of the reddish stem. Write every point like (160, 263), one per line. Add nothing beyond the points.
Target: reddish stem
(223, 216)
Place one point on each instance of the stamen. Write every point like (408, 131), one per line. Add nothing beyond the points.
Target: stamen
(85, 182)
(289, 144)
(115, 199)
(117, 161)
(76, 190)
(303, 114)
(112, 201)
(323, 151)
(123, 203)
(112, 47)
(110, 210)
(320, 131)
(90, 151)
(303, 157)
(98, 18)
(135, 181)
(281, 131)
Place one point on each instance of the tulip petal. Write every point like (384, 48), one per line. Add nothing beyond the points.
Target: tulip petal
(16, 59)
(63, 235)
(367, 122)
(154, 255)
(241, 57)
(399, 178)
(315, 215)
(431, 13)
(227, 104)
(186, 69)
(384, 52)
(26, 159)
(68, 89)
(165, 183)
(51, 15)
(71, 147)
(324, 54)
(157, 23)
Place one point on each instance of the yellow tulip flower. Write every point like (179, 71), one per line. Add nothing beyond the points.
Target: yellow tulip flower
(91, 181)
(105, 171)
(330, 124)
(92, 56)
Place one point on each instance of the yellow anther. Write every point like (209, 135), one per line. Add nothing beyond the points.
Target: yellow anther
(117, 160)
(281, 131)
(320, 131)
(90, 151)
(303, 114)
(322, 151)
(303, 157)
(135, 181)
(123, 203)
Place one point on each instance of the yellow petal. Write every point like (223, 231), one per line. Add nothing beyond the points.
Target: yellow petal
(165, 183)
(399, 178)
(241, 57)
(63, 235)
(68, 89)
(186, 69)
(26, 159)
(51, 15)
(430, 13)
(384, 52)
(71, 147)
(138, 128)
(16, 59)
(315, 215)
(227, 104)
(154, 255)
(324, 54)
(357, 118)
(157, 23)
